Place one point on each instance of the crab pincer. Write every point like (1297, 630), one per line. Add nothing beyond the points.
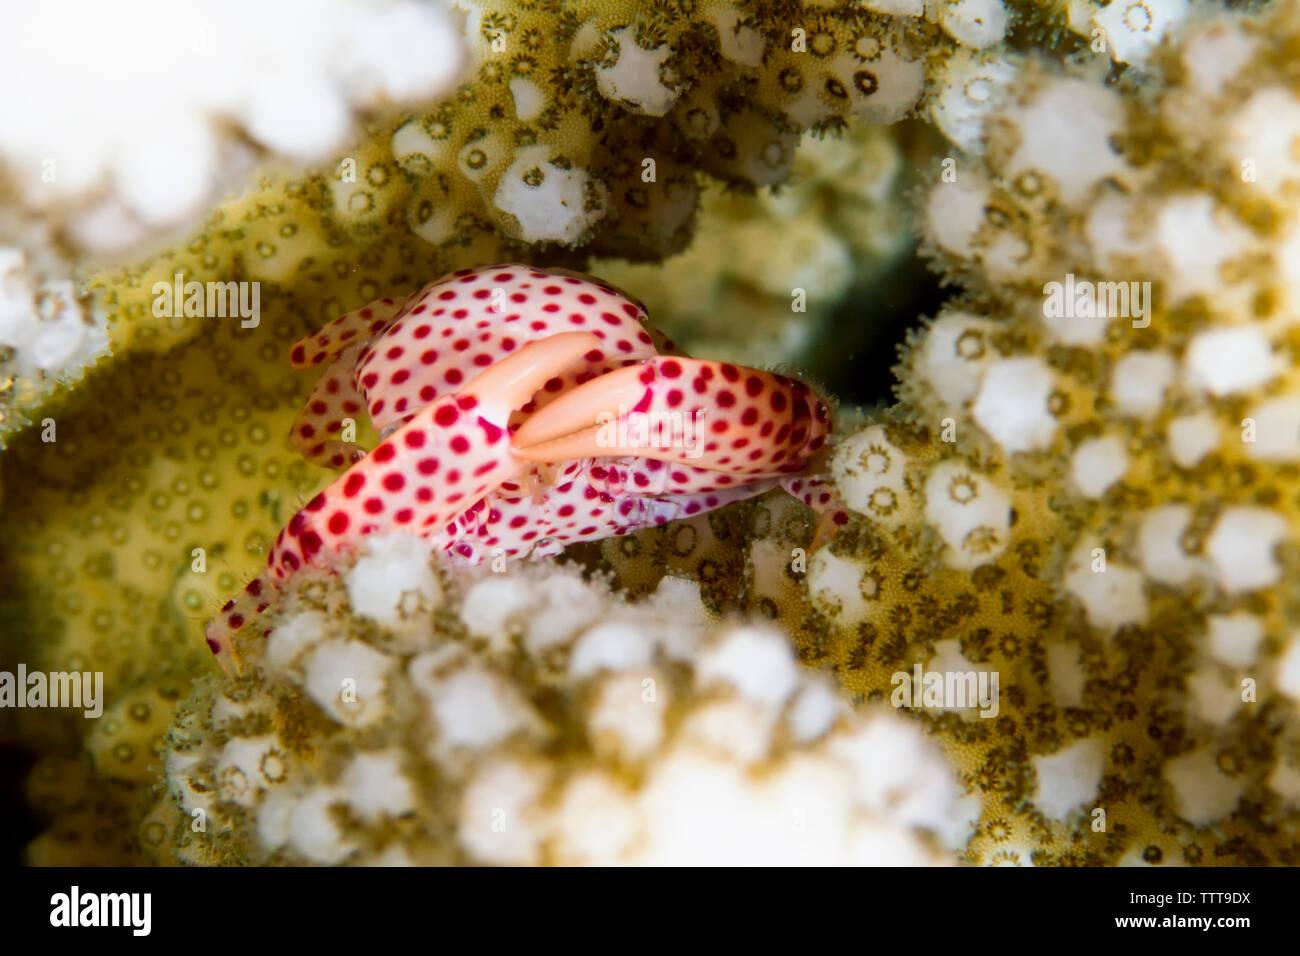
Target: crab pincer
(441, 462)
(729, 432)
(711, 415)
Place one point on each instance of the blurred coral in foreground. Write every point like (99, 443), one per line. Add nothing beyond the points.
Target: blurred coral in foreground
(199, 92)
(535, 717)
(100, 165)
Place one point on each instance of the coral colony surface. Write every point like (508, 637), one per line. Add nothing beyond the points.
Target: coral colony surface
(495, 388)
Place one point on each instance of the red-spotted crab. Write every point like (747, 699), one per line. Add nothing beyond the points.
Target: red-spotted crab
(522, 410)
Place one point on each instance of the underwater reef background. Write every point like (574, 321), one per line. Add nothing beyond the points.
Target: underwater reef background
(1099, 505)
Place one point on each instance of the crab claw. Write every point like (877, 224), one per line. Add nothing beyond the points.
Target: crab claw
(436, 466)
(711, 415)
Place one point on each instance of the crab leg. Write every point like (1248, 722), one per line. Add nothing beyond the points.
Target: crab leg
(444, 460)
(330, 340)
(243, 607)
(820, 495)
(658, 511)
(335, 396)
(651, 477)
(711, 415)
(574, 509)
(334, 400)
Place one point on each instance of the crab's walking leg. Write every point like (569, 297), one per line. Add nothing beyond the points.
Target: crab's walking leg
(336, 397)
(244, 606)
(820, 495)
(710, 415)
(419, 478)
(657, 511)
(312, 351)
(573, 509)
(333, 402)
(431, 469)
(651, 477)
(693, 490)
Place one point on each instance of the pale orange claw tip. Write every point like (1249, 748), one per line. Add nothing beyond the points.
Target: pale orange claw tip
(511, 382)
(581, 444)
(573, 421)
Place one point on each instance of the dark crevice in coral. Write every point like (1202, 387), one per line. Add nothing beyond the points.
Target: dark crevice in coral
(20, 826)
(858, 348)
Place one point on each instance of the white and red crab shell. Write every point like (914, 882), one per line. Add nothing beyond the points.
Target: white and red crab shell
(494, 390)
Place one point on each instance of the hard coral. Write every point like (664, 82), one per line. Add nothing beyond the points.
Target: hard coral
(585, 126)
(534, 717)
(136, 500)
(48, 332)
(761, 280)
(112, 158)
(1086, 487)
(103, 165)
(1093, 491)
